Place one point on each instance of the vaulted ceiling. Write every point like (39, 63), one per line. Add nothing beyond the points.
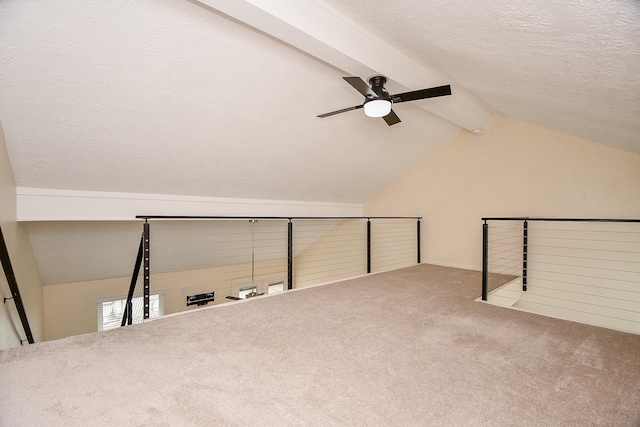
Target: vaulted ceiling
(220, 98)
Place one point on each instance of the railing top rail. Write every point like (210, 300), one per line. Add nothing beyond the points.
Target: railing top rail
(525, 218)
(288, 218)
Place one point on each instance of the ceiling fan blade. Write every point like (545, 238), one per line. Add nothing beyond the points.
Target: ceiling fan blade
(361, 87)
(391, 118)
(422, 94)
(344, 110)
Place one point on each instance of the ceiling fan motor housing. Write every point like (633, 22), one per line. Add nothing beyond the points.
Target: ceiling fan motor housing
(377, 85)
(380, 105)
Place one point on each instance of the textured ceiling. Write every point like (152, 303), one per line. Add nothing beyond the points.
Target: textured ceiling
(571, 66)
(173, 97)
(170, 97)
(167, 97)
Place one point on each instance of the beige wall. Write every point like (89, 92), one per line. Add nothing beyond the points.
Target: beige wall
(332, 251)
(517, 170)
(22, 261)
(71, 308)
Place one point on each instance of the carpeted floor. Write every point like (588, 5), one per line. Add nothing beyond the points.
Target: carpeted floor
(404, 348)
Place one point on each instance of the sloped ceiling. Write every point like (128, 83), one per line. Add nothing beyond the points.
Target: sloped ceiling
(571, 66)
(174, 97)
(167, 97)
(178, 97)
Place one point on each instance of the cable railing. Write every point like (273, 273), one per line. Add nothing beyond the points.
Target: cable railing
(580, 269)
(189, 261)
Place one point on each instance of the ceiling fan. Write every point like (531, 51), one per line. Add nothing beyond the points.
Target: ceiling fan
(378, 101)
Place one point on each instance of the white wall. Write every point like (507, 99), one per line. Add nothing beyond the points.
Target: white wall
(22, 260)
(517, 170)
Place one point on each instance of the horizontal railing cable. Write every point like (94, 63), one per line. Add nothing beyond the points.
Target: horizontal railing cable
(214, 258)
(568, 268)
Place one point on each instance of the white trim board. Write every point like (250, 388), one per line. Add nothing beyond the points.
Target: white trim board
(41, 204)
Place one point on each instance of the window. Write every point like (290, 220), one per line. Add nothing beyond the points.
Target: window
(276, 287)
(111, 310)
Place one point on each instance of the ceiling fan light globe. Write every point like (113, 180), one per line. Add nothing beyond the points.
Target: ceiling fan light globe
(377, 108)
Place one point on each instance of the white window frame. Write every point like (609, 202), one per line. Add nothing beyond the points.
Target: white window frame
(117, 304)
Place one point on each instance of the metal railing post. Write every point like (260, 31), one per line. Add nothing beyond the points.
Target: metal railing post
(525, 255)
(485, 258)
(368, 245)
(290, 255)
(127, 318)
(147, 272)
(418, 241)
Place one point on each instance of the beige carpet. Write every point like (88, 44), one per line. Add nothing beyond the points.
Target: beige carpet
(404, 348)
